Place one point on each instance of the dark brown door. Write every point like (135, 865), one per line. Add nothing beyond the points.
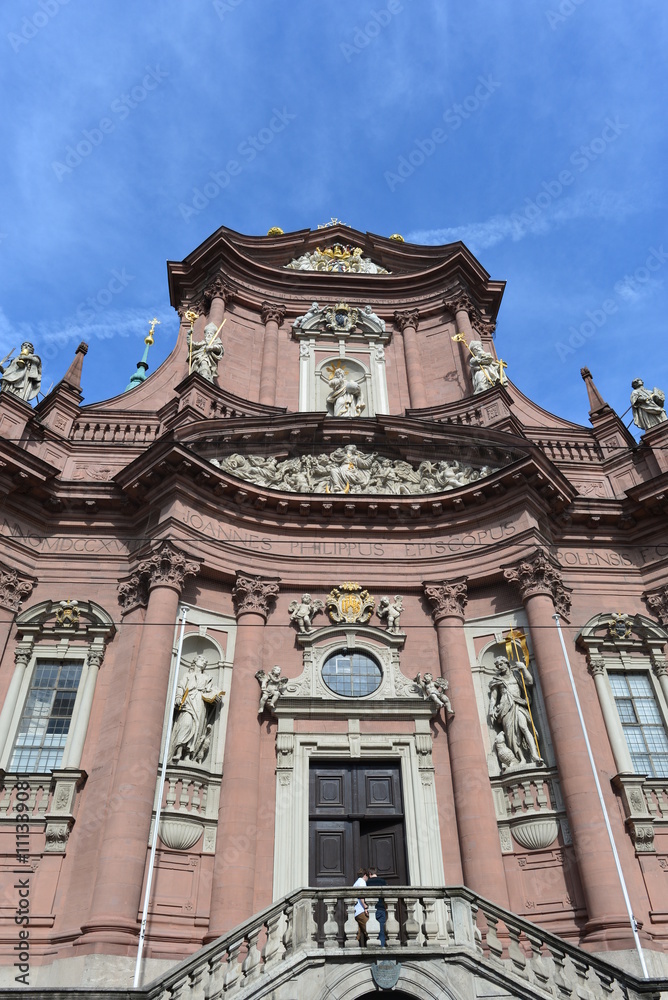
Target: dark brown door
(356, 820)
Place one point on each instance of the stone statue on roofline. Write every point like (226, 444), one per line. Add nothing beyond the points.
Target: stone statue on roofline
(486, 371)
(23, 375)
(648, 405)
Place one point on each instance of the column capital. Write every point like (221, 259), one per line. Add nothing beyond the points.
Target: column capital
(657, 601)
(448, 598)
(407, 317)
(460, 302)
(13, 587)
(483, 327)
(253, 594)
(217, 289)
(272, 311)
(167, 566)
(595, 665)
(659, 664)
(540, 574)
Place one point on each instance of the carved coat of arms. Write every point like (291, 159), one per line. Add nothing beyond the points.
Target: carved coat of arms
(349, 604)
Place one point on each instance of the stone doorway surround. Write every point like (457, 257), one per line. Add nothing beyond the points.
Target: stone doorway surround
(295, 751)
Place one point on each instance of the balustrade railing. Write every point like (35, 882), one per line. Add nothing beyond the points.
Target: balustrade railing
(422, 922)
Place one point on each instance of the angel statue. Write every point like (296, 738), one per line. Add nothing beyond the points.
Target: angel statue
(272, 687)
(195, 699)
(391, 612)
(302, 612)
(434, 690)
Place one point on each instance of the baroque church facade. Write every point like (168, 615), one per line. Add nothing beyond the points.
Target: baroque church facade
(325, 592)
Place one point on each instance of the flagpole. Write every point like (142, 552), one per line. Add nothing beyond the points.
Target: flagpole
(183, 613)
(620, 873)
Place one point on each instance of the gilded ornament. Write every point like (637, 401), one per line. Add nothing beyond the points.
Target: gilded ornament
(275, 231)
(350, 604)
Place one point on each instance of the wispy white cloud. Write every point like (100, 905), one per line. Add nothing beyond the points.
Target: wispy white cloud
(531, 219)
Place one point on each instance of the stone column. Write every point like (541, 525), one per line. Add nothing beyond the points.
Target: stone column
(234, 866)
(272, 317)
(72, 756)
(540, 585)
(620, 751)
(461, 308)
(408, 324)
(218, 294)
(122, 859)
(21, 660)
(480, 847)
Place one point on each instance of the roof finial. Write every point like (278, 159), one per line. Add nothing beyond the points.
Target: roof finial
(142, 366)
(596, 401)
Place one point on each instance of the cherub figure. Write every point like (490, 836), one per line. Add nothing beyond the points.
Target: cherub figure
(434, 689)
(391, 612)
(302, 612)
(272, 687)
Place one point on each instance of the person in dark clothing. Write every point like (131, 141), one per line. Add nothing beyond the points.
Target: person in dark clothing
(373, 881)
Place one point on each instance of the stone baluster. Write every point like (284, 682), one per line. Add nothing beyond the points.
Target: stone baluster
(272, 952)
(351, 927)
(217, 966)
(122, 858)
(373, 928)
(515, 950)
(492, 938)
(480, 848)
(392, 926)
(272, 317)
(412, 924)
(234, 865)
(251, 966)
(233, 972)
(430, 923)
(408, 324)
(331, 928)
(542, 591)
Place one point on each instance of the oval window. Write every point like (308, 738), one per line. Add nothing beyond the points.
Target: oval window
(352, 675)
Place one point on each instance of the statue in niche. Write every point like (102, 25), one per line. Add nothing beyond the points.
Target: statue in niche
(204, 355)
(272, 686)
(23, 375)
(391, 612)
(345, 395)
(434, 689)
(486, 371)
(302, 612)
(509, 712)
(195, 701)
(648, 405)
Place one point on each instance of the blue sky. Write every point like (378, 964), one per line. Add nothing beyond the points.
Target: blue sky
(548, 160)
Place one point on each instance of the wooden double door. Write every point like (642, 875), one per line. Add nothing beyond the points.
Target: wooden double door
(356, 821)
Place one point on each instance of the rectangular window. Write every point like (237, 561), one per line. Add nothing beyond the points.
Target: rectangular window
(642, 723)
(46, 717)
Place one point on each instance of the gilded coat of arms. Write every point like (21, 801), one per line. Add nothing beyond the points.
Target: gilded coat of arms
(349, 604)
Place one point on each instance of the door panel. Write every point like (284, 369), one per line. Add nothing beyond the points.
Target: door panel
(330, 853)
(382, 847)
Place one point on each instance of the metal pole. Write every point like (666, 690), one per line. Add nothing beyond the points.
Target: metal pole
(620, 873)
(168, 737)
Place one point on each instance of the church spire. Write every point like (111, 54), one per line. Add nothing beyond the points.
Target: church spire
(142, 366)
